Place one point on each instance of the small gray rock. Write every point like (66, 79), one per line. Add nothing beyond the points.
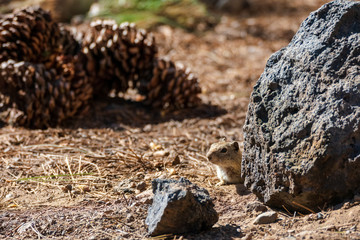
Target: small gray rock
(266, 217)
(179, 207)
(320, 216)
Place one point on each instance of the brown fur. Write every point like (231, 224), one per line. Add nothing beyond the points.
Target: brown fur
(226, 156)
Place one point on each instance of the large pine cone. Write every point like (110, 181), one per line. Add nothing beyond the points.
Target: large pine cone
(41, 73)
(47, 75)
(44, 97)
(119, 57)
(28, 35)
(169, 86)
(116, 54)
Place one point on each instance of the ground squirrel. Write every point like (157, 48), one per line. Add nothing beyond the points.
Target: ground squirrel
(226, 156)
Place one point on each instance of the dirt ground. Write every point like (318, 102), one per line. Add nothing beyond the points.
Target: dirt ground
(91, 178)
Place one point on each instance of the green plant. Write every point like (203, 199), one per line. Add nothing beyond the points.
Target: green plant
(147, 13)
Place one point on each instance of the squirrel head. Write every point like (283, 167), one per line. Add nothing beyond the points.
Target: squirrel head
(224, 153)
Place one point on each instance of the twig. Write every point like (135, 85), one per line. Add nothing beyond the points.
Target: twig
(298, 204)
(201, 163)
(163, 237)
(36, 231)
(84, 150)
(68, 165)
(46, 184)
(202, 156)
(195, 159)
(126, 201)
(286, 210)
(79, 168)
(97, 168)
(50, 176)
(139, 159)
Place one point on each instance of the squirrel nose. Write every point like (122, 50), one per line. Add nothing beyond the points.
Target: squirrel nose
(209, 158)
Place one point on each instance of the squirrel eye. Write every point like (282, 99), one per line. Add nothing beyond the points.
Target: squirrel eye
(224, 150)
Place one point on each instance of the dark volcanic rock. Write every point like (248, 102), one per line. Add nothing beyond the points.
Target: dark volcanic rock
(179, 207)
(302, 131)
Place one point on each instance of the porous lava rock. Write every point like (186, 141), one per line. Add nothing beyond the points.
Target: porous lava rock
(302, 130)
(179, 207)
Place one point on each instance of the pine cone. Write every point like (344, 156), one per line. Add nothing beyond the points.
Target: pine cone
(122, 57)
(42, 75)
(47, 75)
(67, 43)
(28, 35)
(116, 54)
(44, 97)
(170, 86)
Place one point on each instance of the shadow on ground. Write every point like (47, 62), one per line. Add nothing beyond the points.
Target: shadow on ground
(115, 113)
(242, 190)
(226, 232)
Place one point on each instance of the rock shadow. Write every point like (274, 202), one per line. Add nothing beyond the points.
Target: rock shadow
(242, 190)
(227, 232)
(116, 113)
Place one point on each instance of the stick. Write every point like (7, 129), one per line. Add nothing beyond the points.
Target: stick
(298, 204)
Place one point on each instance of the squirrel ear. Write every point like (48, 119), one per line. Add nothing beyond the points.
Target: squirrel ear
(236, 146)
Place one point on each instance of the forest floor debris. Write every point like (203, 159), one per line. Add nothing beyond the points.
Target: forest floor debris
(64, 183)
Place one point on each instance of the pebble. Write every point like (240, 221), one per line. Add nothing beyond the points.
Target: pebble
(265, 218)
(172, 171)
(141, 186)
(347, 205)
(8, 196)
(310, 217)
(147, 128)
(161, 153)
(320, 216)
